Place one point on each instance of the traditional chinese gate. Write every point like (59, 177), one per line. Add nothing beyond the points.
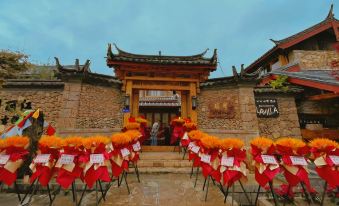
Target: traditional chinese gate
(182, 74)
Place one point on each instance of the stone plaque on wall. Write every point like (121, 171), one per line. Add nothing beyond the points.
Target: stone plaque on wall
(224, 109)
(267, 107)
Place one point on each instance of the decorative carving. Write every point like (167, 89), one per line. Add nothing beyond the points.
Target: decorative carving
(224, 109)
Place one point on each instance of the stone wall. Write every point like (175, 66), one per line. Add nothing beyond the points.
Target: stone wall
(209, 96)
(314, 60)
(100, 107)
(286, 124)
(47, 100)
(244, 123)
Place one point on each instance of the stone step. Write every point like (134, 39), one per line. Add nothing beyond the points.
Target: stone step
(185, 170)
(164, 163)
(161, 156)
(147, 148)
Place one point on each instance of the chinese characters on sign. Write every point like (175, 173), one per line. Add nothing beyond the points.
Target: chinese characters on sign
(42, 158)
(298, 160)
(66, 159)
(11, 107)
(267, 107)
(227, 161)
(224, 109)
(269, 159)
(96, 158)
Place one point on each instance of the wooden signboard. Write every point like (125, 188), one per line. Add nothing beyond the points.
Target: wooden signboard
(223, 109)
(267, 107)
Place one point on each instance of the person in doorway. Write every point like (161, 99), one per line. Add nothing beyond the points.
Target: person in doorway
(154, 133)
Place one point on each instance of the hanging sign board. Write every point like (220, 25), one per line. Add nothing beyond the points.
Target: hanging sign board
(267, 107)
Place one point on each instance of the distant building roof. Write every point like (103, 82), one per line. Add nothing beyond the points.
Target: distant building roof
(329, 22)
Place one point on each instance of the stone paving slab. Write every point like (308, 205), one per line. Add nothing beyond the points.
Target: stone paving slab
(156, 189)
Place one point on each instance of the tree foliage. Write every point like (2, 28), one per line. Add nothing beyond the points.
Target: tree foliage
(12, 63)
(280, 83)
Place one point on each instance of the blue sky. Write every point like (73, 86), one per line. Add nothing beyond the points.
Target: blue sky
(69, 29)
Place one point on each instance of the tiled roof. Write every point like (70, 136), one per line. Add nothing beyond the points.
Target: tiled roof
(32, 83)
(268, 89)
(322, 76)
(329, 18)
(198, 59)
(84, 71)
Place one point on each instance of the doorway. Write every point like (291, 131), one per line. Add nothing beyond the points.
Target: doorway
(161, 107)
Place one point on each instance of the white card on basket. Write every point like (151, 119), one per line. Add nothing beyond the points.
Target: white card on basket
(96, 158)
(42, 158)
(206, 158)
(298, 160)
(4, 159)
(190, 145)
(66, 159)
(136, 146)
(269, 159)
(185, 136)
(227, 161)
(195, 149)
(124, 152)
(334, 158)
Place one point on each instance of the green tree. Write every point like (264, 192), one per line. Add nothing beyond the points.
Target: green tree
(12, 63)
(280, 83)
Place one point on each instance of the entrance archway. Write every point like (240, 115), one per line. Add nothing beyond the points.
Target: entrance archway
(182, 74)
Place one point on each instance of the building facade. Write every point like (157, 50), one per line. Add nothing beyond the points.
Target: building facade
(159, 87)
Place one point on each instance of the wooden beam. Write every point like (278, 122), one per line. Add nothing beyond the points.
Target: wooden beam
(161, 87)
(323, 96)
(172, 79)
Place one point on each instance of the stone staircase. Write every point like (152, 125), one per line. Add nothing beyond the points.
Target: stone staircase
(162, 159)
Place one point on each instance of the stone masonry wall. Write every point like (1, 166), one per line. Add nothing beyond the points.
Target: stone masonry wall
(47, 100)
(244, 124)
(69, 105)
(100, 107)
(286, 124)
(314, 60)
(210, 96)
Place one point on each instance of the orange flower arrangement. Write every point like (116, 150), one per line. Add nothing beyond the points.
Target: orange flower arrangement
(133, 125)
(190, 125)
(16, 141)
(95, 141)
(210, 142)
(121, 139)
(230, 143)
(51, 141)
(2, 144)
(133, 134)
(196, 134)
(73, 141)
(262, 143)
(293, 143)
(322, 143)
(179, 120)
(140, 120)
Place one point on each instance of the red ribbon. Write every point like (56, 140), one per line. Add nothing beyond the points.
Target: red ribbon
(178, 132)
(65, 177)
(268, 174)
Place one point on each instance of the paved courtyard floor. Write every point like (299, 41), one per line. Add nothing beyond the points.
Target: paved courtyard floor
(154, 189)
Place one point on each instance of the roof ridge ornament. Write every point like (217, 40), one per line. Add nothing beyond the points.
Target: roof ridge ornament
(57, 63)
(214, 58)
(330, 14)
(276, 42)
(110, 54)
